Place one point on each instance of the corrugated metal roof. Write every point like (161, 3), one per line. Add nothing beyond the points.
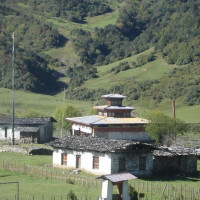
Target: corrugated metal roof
(113, 96)
(119, 108)
(98, 120)
(105, 107)
(113, 120)
(86, 119)
(119, 177)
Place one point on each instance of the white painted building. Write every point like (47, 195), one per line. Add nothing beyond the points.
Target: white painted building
(114, 121)
(102, 156)
(36, 130)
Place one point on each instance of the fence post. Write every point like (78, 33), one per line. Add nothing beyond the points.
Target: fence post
(24, 169)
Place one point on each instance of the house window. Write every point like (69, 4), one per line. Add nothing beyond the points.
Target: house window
(95, 162)
(78, 161)
(142, 163)
(77, 132)
(122, 164)
(5, 132)
(64, 159)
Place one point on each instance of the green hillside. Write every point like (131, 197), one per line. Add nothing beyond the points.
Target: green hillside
(146, 50)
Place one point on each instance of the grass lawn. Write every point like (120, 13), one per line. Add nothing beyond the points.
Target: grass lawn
(36, 187)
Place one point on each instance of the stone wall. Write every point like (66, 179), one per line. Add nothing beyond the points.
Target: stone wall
(26, 150)
(16, 149)
(186, 164)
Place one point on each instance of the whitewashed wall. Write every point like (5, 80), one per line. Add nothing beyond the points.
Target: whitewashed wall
(45, 132)
(9, 133)
(85, 129)
(86, 161)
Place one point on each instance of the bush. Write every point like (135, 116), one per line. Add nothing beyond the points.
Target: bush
(143, 59)
(193, 96)
(123, 66)
(71, 195)
(132, 193)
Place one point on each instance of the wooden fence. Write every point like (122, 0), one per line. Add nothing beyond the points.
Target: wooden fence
(167, 191)
(50, 173)
(62, 197)
(146, 190)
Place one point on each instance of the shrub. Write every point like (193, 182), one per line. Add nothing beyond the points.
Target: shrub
(132, 193)
(71, 195)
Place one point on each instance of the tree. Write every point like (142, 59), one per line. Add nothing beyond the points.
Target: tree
(69, 111)
(163, 129)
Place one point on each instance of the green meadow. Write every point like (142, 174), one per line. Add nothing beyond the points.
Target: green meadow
(44, 103)
(39, 187)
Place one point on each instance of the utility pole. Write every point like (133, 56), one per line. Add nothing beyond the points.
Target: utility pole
(61, 130)
(174, 116)
(13, 89)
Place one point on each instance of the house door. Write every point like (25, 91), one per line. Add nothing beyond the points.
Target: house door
(78, 161)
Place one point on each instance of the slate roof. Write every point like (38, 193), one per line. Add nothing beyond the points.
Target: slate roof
(174, 151)
(98, 144)
(102, 120)
(28, 129)
(27, 121)
(113, 96)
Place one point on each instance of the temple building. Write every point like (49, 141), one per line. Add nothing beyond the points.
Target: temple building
(114, 121)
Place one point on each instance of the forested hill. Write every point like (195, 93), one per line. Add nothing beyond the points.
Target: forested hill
(169, 27)
(172, 27)
(34, 35)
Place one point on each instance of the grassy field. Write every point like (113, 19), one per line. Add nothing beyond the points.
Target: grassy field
(47, 104)
(37, 187)
(33, 187)
(44, 103)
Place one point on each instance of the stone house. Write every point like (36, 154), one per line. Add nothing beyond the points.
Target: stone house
(114, 121)
(27, 130)
(170, 160)
(102, 156)
(105, 156)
